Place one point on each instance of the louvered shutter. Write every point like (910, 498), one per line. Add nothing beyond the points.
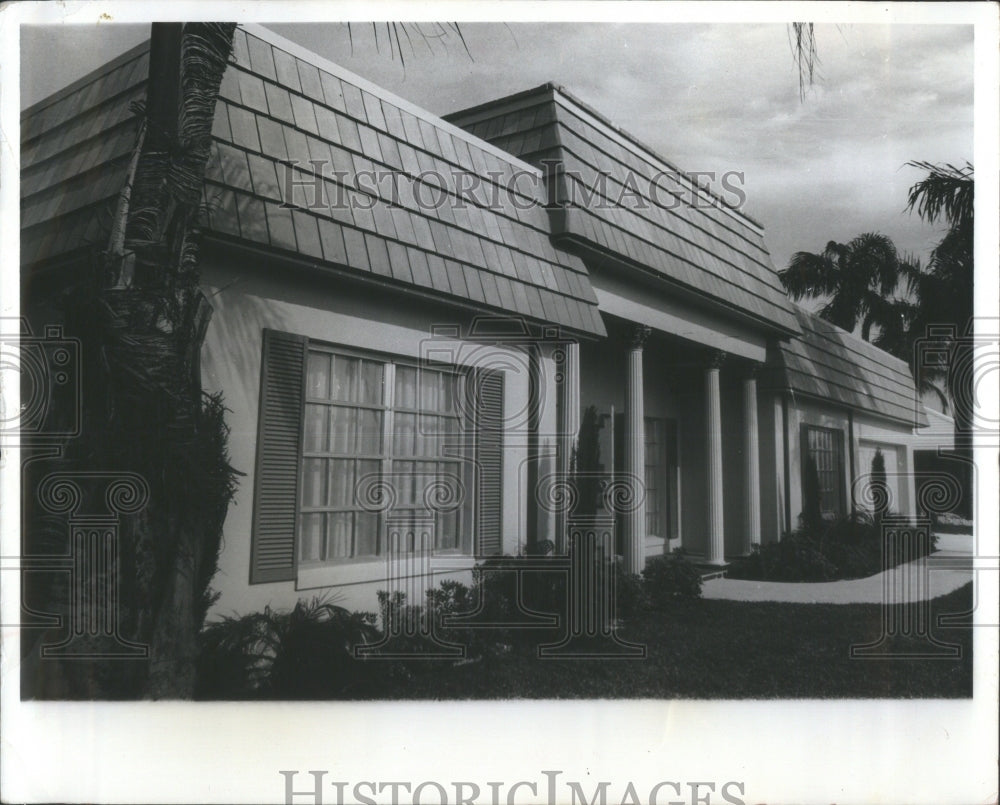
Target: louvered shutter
(489, 460)
(279, 443)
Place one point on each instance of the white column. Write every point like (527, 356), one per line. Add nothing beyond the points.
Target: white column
(635, 454)
(751, 458)
(569, 428)
(713, 419)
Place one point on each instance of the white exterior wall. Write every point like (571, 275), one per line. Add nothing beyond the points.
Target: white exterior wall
(896, 443)
(869, 432)
(249, 298)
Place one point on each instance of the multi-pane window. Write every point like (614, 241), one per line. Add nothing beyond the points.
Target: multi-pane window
(656, 478)
(426, 449)
(825, 449)
(369, 421)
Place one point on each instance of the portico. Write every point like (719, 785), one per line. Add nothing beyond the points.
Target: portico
(678, 427)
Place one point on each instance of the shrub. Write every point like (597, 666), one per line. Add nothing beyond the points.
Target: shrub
(667, 577)
(301, 654)
(849, 547)
(631, 595)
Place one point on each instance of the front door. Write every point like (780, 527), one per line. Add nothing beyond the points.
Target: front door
(660, 475)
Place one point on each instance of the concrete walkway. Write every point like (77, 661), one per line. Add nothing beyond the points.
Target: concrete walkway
(946, 574)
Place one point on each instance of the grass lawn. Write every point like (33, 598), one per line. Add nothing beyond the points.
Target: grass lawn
(709, 649)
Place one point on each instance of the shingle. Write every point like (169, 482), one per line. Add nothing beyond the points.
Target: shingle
(409, 159)
(252, 91)
(475, 285)
(506, 293)
(306, 188)
(456, 278)
(419, 268)
(261, 59)
(233, 162)
(402, 220)
(390, 153)
(288, 74)
(383, 221)
(342, 161)
(357, 254)
(399, 264)
(229, 89)
(253, 219)
(411, 129)
(378, 255)
(307, 234)
(309, 80)
(361, 209)
(333, 91)
(279, 103)
(490, 289)
(393, 122)
(326, 121)
(352, 100)
(439, 273)
(521, 300)
(272, 138)
(265, 180)
(244, 127)
(280, 227)
(422, 231)
(302, 110)
(373, 111)
(369, 143)
(349, 137)
(332, 241)
(296, 145)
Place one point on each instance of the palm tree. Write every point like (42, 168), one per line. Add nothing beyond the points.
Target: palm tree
(145, 319)
(855, 277)
(943, 293)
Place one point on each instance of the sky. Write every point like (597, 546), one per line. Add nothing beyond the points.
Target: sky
(707, 97)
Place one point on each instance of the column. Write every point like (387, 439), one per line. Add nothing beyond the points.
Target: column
(634, 519)
(569, 427)
(713, 419)
(751, 458)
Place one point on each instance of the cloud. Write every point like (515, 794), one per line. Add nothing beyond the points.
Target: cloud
(707, 97)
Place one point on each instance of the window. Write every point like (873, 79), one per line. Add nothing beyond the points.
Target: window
(335, 422)
(368, 421)
(823, 448)
(656, 478)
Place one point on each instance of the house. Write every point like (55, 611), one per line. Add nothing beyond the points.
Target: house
(411, 313)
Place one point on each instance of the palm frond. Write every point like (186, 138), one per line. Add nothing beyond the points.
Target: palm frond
(947, 191)
(802, 40)
(809, 275)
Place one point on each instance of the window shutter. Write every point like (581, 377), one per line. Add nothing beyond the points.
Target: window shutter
(489, 461)
(279, 437)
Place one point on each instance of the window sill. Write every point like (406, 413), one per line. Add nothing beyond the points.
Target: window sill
(376, 571)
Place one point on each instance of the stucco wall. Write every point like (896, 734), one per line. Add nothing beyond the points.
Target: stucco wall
(770, 416)
(249, 296)
(868, 431)
(896, 443)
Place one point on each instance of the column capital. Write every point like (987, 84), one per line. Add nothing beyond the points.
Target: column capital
(753, 370)
(637, 335)
(715, 359)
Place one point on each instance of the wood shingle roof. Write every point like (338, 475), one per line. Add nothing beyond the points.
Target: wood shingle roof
(314, 160)
(621, 198)
(75, 150)
(832, 365)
